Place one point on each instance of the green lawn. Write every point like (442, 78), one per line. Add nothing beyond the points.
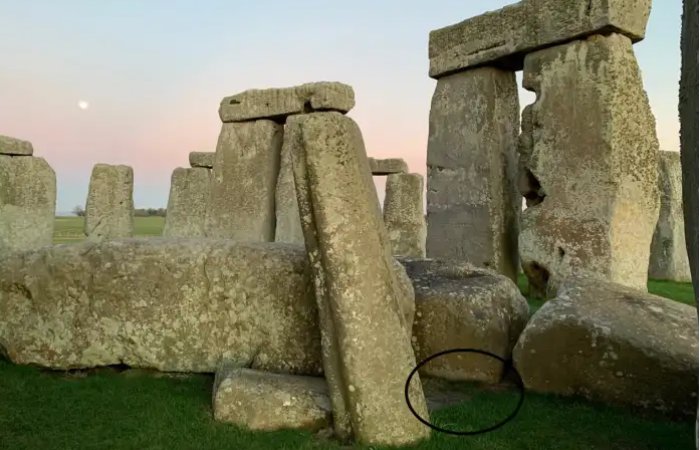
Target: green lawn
(70, 229)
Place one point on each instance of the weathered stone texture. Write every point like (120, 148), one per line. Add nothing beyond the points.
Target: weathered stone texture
(268, 401)
(387, 166)
(288, 226)
(609, 343)
(278, 103)
(27, 203)
(669, 256)
(366, 348)
(178, 305)
(505, 36)
(403, 214)
(473, 203)
(15, 147)
(462, 306)
(202, 159)
(242, 197)
(589, 165)
(189, 193)
(109, 210)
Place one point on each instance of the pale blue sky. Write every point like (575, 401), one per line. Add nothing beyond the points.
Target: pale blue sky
(154, 73)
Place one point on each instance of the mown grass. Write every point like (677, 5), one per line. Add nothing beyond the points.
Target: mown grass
(70, 229)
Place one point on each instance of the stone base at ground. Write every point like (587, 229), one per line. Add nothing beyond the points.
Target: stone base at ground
(613, 344)
(265, 401)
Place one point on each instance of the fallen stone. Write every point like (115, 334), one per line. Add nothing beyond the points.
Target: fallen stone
(403, 214)
(367, 352)
(473, 201)
(202, 159)
(503, 37)
(15, 147)
(278, 103)
(589, 159)
(669, 257)
(109, 211)
(242, 197)
(461, 306)
(288, 223)
(264, 401)
(27, 203)
(613, 344)
(189, 193)
(387, 166)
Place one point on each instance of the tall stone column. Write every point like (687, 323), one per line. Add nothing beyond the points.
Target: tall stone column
(109, 210)
(403, 214)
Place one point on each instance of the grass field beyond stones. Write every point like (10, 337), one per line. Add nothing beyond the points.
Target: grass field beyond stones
(136, 409)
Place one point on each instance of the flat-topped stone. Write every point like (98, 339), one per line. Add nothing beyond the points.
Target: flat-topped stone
(15, 147)
(202, 159)
(503, 37)
(387, 166)
(109, 210)
(278, 103)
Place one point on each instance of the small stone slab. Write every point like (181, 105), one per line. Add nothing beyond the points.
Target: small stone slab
(202, 159)
(278, 103)
(504, 36)
(387, 166)
(15, 147)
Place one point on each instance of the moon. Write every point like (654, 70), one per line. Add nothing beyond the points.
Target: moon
(82, 104)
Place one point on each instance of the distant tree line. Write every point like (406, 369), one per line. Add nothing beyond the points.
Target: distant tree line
(139, 212)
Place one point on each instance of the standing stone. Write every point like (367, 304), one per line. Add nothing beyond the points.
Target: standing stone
(669, 257)
(15, 147)
(202, 159)
(366, 347)
(288, 226)
(109, 211)
(473, 203)
(189, 192)
(27, 203)
(242, 198)
(589, 165)
(403, 214)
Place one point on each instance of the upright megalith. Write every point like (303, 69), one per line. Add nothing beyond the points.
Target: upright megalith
(367, 352)
(109, 210)
(189, 193)
(202, 159)
(473, 203)
(403, 214)
(589, 164)
(27, 198)
(288, 226)
(669, 257)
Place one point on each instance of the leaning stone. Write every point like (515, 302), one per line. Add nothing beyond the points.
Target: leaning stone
(264, 401)
(189, 193)
(669, 257)
(242, 197)
(288, 222)
(503, 37)
(366, 350)
(15, 147)
(462, 306)
(473, 202)
(387, 166)
(613, 344)
(589, 158)
(403, 214)
(202, 159)
(109, 211)
(278, 103)
(27, 203)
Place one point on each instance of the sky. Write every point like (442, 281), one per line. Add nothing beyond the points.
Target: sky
(139, 82)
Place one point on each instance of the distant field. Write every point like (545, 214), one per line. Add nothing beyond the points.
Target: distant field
(70, 229)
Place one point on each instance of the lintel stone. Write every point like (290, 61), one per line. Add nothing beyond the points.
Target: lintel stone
(15, 147)
(387, 166)
(202, 159)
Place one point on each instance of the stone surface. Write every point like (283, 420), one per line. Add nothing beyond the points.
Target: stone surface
(242, 197)
(15, 147)
(288, 222)
(387, 166)
(202, 159)
(669, 256)
(367, 353)
(178, 305)
(589, 165)
(461, 306)
(505, 36)
(268, 401)
(189, 193)
(688, 111)
(278, 103)
(609, 343)
(109, 210)
(27, 203)
(403, 214)
(473, 203)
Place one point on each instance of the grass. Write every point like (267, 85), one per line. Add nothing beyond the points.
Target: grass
(70, 229)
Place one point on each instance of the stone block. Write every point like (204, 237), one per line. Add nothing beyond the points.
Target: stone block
(109, 210)
(15, 147)
(189, 193)
(202, 159)
(387, 166)
(403, 214)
